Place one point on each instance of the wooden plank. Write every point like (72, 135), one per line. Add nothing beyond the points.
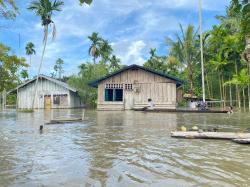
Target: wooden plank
(181, 111)
(210, 135)
(242, 141)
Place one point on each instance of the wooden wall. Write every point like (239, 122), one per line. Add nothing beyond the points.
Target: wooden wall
(161, 90)
(45, 87)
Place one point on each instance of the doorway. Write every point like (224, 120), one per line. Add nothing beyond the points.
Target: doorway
(47, 101)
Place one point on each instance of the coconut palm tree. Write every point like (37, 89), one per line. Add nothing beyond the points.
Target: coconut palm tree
(45, 9)
(105, 51)
(94, 49)
(185, 49)
(114, 63)
(85, 2)
(24, 74)
(30, 50)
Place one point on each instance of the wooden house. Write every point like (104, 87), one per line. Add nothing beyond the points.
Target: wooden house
(51, 94)
(134, 86)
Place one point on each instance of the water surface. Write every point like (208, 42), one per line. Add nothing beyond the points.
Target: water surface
(119, 149)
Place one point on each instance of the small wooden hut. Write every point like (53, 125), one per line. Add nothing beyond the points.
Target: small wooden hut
(134, 86)
(51, 94)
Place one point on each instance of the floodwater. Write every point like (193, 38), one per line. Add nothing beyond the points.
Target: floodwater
(120, 149)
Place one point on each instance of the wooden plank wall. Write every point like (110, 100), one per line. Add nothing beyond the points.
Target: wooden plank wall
(161, 90)
(44, 87)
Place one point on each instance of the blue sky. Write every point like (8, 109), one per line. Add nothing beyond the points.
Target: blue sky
(131, 26)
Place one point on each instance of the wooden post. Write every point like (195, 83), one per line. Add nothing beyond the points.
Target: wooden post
(4, 99)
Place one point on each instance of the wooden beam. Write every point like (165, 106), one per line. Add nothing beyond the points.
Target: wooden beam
(210, 135)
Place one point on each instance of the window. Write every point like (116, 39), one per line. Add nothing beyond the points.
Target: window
(129, 87)
(56, 100)
(60, 99)
(113, 94)
(109, 94)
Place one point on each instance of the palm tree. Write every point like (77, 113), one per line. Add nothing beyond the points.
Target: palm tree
(85, 1)
(30, 50)
(242, 80)
(185, 49)
(45, 9)
(105, 50)
(8, 9)
(24, 74)
(94, 49)
(114, 63)
(58, 67)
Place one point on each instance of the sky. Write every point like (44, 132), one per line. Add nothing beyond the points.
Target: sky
(131, 26)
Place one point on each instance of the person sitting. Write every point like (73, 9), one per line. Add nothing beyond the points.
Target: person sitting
(230, 110)
(150, 104)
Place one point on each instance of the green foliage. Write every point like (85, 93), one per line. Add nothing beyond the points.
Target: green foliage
(88, 72)
(8, 9)
(242, 79)
(24, 74)
(58, 68)
(9, 66)
(186, 49)
(85, 2)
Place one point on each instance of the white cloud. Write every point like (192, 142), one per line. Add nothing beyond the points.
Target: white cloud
(132, 26)
(130, 52)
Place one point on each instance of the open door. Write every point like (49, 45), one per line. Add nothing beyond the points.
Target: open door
(47, 101)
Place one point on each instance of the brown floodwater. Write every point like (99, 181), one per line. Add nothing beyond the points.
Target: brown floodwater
(120, 149)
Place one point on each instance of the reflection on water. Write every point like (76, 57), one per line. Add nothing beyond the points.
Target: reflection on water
(119, 149)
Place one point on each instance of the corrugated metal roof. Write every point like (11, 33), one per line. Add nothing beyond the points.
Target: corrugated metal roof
(63, 84)
(134, 66)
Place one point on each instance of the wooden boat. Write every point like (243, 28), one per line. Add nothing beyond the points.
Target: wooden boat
(242, 141)
(181, 110)
(64, 120)
(210, 135)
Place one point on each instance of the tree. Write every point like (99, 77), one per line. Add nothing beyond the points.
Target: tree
(59, 68)
(9, 67)
(105, 50)
(242, 80)
(94, 49)
(85, 2)
(8, 9)
(24, 74)
(186, 50)
(45, 9)
(88, 72)
(155, 62)
(114, 64)
(30, 50)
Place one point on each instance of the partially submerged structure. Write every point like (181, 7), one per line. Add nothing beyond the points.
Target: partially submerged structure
(51, 94)
(133, 86)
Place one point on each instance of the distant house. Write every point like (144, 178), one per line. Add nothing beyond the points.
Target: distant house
(133, 86)
(51, 93)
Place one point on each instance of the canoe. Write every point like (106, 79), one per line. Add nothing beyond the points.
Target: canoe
(64, 120)
(210, 135)
(242, 141)
(181, 110)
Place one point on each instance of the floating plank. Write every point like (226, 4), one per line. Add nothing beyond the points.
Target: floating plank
(64, 120)
(181, 111)
(242, 141)
(210, 135)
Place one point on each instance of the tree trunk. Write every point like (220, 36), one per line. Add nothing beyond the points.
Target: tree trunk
(223, 91)
(248, 87)
(237, 94)
(239, 97)
(208, 87)
(40, 65)
(244, 99)
(221, 97)
(230, 94)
